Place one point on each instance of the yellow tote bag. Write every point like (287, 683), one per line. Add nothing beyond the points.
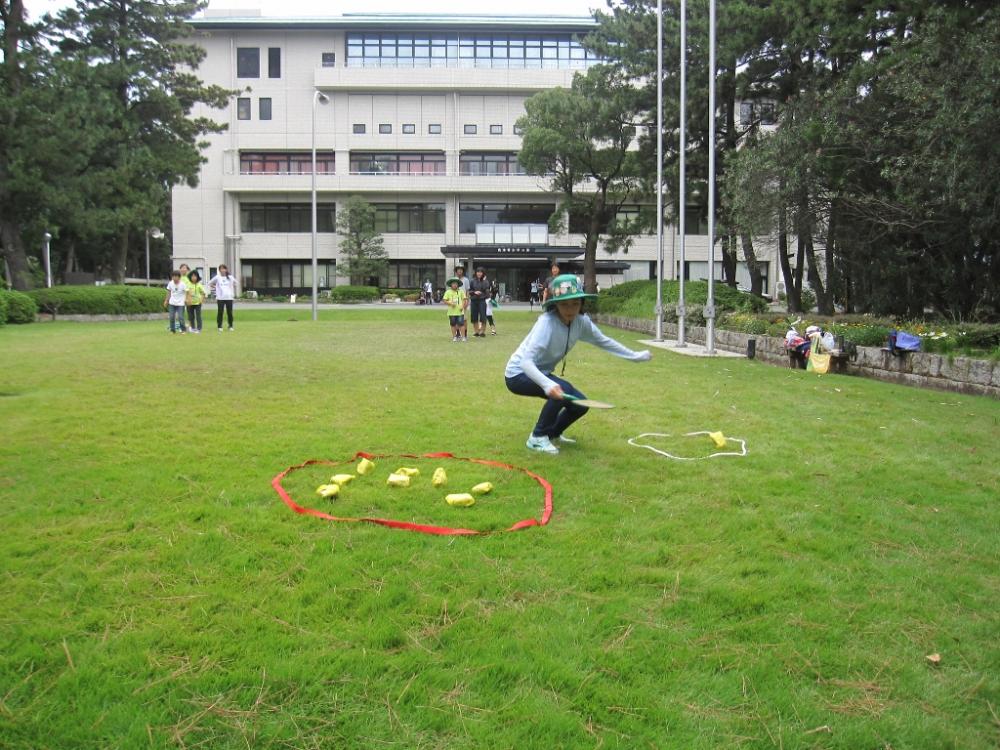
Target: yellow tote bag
(819, 361)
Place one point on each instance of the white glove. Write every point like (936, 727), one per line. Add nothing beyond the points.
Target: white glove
(643, 356)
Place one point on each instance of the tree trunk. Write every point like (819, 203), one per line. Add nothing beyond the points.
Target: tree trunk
(753, 268)
(118, 259)
(12, 248)
(793, 299)
(590, 243)
(728, 245)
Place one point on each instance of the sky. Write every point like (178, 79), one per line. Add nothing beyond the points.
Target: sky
(37, 8)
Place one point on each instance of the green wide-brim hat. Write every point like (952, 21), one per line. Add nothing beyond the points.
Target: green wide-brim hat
(455, 279)
(565, 287)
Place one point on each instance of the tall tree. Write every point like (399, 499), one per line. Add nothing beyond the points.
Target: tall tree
(139, 53)
(582, 139)
(361, 248)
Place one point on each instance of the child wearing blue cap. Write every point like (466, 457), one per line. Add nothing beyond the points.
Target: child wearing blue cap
(530, 369)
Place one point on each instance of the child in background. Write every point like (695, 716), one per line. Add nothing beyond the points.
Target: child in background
(176, 296)
(489, 315)
(456, 300)
(223, 285)
(529, 370)
(195, 296)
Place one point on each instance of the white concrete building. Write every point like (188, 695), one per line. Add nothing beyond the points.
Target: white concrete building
(418, 120)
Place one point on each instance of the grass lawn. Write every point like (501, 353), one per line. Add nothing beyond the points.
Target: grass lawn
(156, 592)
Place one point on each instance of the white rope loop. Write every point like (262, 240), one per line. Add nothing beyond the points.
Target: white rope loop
(741, 441)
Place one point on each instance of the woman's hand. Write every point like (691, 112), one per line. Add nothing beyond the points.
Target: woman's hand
(555, 392)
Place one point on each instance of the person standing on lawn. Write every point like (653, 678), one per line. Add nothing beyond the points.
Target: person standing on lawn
(223, 286)
(529, 371)
(456, 300)
(175, 300)
(479, 294)
(195, 296)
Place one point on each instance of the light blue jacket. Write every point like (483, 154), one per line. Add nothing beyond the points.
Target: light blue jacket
(550, 340)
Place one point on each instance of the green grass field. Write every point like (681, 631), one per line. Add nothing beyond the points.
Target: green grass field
(156, 592)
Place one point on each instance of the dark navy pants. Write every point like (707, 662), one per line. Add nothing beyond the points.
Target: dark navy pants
(557, 414)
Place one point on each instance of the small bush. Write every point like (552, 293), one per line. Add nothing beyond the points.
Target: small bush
(99, 300)
(353, 294)
(17, 307)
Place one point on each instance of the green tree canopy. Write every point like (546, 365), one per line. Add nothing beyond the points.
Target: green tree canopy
(361, 249)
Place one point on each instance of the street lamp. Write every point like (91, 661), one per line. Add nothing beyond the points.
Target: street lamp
(682, 179)
(156, 234)
(659, 170)
(709, 310)
(48, 262)
(318, 96)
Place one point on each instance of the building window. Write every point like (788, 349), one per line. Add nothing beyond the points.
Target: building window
(470, 129)
(409, 128)
(265, 108)
(287, 218)
(329, 59)
(496, 129)
(766, 113)
(406, 49)
(282, 276)
(470, 214)
(432, 163)
(518, 130)
(248, 62)
(434, 129)
(243, 108)
(274, 62)
(358, 128)
(411, 275)
(489, 163)
(286, 162)
(385, 129)
(409, 218)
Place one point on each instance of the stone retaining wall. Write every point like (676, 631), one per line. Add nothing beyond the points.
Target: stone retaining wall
(980, 377)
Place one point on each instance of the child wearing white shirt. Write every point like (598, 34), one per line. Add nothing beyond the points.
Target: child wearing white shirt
(176, 297)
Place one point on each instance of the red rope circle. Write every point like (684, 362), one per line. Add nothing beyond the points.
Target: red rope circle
(422, 528)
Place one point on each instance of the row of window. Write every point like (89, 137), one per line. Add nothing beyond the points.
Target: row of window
(287, 217)
(248, 62)
(244, 108)
(268, 276)
(474, 163)
(409, 128)
(272, 274)
(514, 50)
(427, 218)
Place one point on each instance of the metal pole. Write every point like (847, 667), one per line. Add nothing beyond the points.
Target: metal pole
(710, 305)
(682, 191)
(315, 260)
(147, 257)
(48, 262)
(659, 170)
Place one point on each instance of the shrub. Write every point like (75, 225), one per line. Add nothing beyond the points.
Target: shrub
(637, 299)
(17, 307)
(353, 294)
(3, 307)
(99, 300)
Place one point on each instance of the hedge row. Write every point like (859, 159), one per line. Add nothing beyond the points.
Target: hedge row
(99, 300)
(16, 307)
(637, 299)
(354, 294)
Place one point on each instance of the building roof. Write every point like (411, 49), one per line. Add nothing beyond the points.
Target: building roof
(249, 19)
